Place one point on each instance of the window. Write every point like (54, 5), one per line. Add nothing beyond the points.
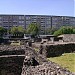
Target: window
(19, 17)
(14, 22)
(15, 18)
(27, 17)
(21, 21)
(15, 25)
(22, 17)
(28, 22)
(0, 21)
(48, 22)
(0, 17)
(5, 18)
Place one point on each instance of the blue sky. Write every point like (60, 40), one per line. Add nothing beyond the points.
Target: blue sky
(38, 7)
(74, 8)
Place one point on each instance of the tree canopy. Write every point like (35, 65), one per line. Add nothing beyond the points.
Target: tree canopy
(65, 30)
(17, 31)
(33, 29)
(50, 30)
(2, 31)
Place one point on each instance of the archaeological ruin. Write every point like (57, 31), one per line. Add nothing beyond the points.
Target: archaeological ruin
(24, 60)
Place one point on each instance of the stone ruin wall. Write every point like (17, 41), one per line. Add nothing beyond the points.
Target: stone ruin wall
(42, 66)
(33, 63)
(51, 50)
(10, 64)
(57, 50)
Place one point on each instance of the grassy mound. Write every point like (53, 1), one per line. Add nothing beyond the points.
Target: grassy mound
(67, 60)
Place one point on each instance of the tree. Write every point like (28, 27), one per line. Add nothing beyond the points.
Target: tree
(50, 30)
(17, 31)
(14, 30)
(33, 29)
(20, 30)
(64, 30)
(2, 31)
(73, 31)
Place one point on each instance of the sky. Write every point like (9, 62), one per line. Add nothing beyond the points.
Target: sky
(74, 8)
(38, 7)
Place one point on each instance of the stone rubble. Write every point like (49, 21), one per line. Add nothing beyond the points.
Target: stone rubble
(12, 50)
(35, 63)
(43, 66)
(11, 47)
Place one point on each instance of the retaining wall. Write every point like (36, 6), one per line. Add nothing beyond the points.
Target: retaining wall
(42, 66)
(57, 50)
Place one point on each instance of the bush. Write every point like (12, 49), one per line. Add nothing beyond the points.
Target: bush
(64, 30)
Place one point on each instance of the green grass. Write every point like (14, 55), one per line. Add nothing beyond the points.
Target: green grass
(67, 60)
(36, 49)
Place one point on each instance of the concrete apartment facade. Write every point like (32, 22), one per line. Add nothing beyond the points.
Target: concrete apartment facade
(8, 21)
(45, 21)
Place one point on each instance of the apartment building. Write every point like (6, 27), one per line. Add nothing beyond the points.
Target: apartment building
(8, 21)
(45, 21)
(68, 21)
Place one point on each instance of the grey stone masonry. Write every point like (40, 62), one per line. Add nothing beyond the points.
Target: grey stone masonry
(42, 65)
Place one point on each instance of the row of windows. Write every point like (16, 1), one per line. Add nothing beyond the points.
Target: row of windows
(12, 17)
(42, 20)
(34, 18)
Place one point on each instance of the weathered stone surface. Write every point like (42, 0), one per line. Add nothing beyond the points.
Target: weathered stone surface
(43, 67)
(33, 63)
(68, 37)
(11, 65)
(48, 68)
(10, 62)
(56, 50)
(12, 50)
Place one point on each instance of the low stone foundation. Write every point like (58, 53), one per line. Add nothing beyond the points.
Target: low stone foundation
(42, 66)
(12, 50)
(10, 62)
(31, 63)
(11, 65)
(56, 50)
